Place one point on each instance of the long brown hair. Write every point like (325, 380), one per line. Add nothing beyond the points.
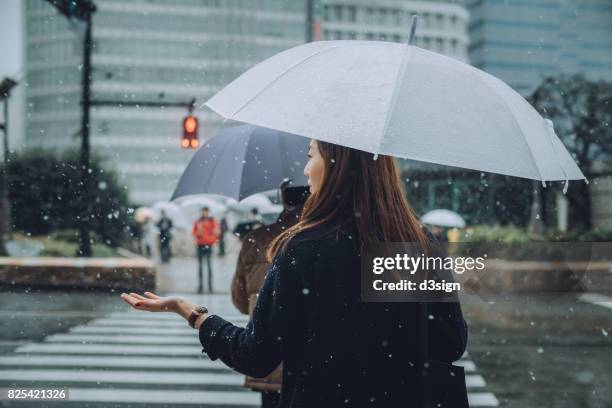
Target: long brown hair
(360, 190)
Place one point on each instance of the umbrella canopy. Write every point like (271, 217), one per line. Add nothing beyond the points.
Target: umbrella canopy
(259, 201)
(443, 218)
(243, 160)
(401, 100)
(192, 206)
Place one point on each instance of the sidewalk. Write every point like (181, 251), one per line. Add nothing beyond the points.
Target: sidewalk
(181, 274)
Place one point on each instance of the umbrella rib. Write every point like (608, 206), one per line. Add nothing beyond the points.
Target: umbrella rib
(399, 76)
(535, 163)
(551, 134)
(292, 66)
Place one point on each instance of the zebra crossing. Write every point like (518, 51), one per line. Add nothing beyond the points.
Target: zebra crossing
(135, 359)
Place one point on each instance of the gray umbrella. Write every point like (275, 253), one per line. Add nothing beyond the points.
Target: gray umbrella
(243, 160)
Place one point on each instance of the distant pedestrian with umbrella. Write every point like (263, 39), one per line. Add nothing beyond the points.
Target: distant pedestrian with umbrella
(206, 231)
(440, 219)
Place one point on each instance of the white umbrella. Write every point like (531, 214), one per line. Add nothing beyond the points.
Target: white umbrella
(443, 218)
(192, 206)
(173, 211)
(142, 213)
(401, 100)
(260, 201)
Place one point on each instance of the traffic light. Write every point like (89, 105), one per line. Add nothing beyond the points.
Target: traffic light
(79, 9)
(190, 133)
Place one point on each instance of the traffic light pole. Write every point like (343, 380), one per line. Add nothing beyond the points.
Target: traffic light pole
(5, 214)
(86, 193)
(4, 199)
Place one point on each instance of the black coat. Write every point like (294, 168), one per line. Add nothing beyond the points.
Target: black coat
(336, 350)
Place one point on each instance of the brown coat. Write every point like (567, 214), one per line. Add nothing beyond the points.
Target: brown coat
(251, 270)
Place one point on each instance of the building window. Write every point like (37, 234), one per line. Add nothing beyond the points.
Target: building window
(104, 128)
(382, 16)
(397, 17)
(337, 13)
(369, 36)
(396, 38)
(352, 13)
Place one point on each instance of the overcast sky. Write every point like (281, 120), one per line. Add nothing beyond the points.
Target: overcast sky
(10, 37)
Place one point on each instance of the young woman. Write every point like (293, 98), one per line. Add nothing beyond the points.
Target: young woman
(336, 350)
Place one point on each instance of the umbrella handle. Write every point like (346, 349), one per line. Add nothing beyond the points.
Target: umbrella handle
(413, 28)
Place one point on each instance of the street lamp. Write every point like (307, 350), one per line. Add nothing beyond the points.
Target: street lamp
(5, 213)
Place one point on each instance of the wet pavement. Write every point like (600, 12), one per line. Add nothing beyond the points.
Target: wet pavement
(541, 353)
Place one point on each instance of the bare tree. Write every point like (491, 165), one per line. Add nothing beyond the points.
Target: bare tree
(581, 110)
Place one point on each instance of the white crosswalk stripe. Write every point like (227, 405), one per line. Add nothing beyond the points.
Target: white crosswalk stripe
(131, 357)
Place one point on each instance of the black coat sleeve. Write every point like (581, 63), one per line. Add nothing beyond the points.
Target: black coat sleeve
(257, 349)
(447, 331)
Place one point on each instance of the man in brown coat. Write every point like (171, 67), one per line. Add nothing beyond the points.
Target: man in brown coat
(250, 273)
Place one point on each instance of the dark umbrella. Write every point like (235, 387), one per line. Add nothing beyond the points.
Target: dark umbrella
(243, 160)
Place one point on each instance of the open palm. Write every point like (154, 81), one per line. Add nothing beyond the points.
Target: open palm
(151, 302)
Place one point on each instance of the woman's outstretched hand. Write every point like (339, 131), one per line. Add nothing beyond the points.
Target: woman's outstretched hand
(154, 303)
(151, 302)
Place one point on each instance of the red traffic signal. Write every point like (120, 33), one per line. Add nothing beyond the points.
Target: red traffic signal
(190, 133)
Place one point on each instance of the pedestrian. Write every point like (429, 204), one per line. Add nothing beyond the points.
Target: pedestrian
(439, 233)
(224, 229)
(206, 232)
(251, 270)
(165, 237)
(150, 236)
(336, 350)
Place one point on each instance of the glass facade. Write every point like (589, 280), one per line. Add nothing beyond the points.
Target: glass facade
(442, 25)
(522, 41)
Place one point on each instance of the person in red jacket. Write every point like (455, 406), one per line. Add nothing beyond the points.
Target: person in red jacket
(206, 231)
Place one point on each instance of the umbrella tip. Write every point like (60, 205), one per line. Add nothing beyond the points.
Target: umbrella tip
(413, 24)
